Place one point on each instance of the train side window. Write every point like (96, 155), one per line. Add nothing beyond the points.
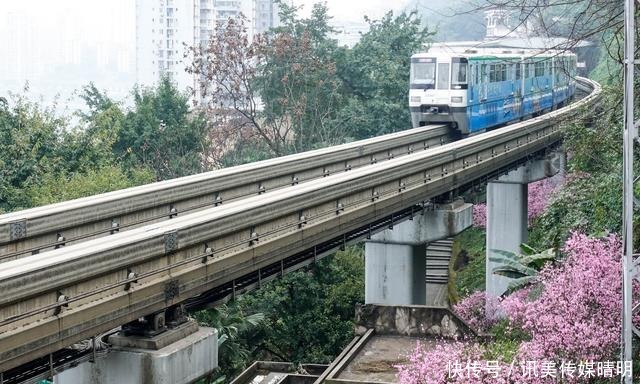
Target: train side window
(539, 68)
(492, 73)
(476, 72)
(518, 71)
(443, 76)
(483, 74)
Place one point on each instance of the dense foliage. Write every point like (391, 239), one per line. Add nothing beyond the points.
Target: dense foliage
(293, 88)
(305, 316)
(310, 312)
(48, 158)
(238, 333)
(375, 74)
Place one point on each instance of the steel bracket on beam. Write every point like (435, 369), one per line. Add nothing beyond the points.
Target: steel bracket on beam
(170, 242)
(132, 277)
(62, 299)
(60, 240)
(18, 229)
(171, 289)
(208, 252)
(115, 226)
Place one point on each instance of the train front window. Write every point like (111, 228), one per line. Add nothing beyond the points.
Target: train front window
(423, 71)
(443, 76)
(459, 70)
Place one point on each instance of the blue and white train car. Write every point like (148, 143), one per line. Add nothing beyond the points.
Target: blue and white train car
(475, 89)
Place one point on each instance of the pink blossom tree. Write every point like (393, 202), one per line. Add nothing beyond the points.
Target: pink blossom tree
(480, 310)
(571, 314)
(577, 315)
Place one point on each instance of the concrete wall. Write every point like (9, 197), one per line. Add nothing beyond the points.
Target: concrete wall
(411, 321)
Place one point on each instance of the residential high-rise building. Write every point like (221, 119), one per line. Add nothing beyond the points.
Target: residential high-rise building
(264, 15)
(226, 9)
(165, 27)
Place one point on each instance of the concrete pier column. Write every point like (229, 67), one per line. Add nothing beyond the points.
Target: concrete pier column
(395, 274)
(507, 216)
(506, 227)
(396, 259)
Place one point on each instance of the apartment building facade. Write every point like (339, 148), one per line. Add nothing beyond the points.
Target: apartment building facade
(164, 27)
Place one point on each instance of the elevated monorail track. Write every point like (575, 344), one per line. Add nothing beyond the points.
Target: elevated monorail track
(54, 299)
(53, 226)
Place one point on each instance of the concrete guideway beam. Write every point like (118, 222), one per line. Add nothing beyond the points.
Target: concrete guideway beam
(395, 259)
(71, 222)
(507, 213)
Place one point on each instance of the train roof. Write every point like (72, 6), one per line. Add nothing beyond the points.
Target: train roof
(474, 49)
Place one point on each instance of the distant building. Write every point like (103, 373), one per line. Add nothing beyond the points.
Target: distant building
(349, 34)
(164, 27)
(263, 16)
(497, 23)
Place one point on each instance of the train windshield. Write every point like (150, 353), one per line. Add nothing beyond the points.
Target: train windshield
(423, 72)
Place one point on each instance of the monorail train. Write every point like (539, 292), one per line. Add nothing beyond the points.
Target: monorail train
(475, 89)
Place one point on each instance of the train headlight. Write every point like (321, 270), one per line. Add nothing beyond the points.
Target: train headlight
(415, 99)
(456, 99)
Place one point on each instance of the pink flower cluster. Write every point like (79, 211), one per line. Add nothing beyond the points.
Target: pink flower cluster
(438, 366)
(577, 315)
(539, 194)
(479, 215)
(430, 366)
(571, 315)
(479, 310)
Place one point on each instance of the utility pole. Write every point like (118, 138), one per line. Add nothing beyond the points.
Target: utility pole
(628, 270)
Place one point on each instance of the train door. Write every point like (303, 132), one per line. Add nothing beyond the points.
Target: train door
(484, 83)
(511, 75)
(473, 83)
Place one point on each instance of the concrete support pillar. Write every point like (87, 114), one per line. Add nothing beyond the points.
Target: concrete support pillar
(178, 356)
(395, 260)
(507, 216)
(506, 227)
(395, 274)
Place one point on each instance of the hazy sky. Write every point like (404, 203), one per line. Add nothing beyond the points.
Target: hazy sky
(98, 20)
(355, 10)
(114, 20)
(41, 40)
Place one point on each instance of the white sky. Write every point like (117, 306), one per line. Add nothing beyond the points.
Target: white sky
(34, 34)
(97, 20)
(114, 19)
(354, 10)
